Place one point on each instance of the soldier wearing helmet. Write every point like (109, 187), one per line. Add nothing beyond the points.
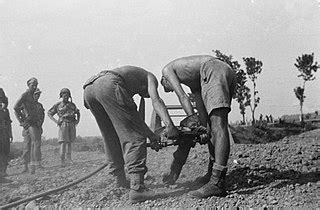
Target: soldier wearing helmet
(68, 118)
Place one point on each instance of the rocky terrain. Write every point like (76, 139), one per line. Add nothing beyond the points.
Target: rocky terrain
(284, 173)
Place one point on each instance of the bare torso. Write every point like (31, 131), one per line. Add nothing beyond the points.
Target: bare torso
(188, 68)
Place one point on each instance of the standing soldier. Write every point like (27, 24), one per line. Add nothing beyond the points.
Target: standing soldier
(26, 112)
(5, 136)
(68, 118)
(26, 136)
(41, 113)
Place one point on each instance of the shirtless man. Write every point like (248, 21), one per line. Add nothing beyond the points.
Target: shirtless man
(108, 95)
(212, 82)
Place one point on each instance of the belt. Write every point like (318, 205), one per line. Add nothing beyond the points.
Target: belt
(102, 73)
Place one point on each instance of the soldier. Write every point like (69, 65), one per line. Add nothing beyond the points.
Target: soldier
(26, 112)
(26, 136)
(41, 110)
(212, 82)
(108, 95)
(68, 119)
(5, 136)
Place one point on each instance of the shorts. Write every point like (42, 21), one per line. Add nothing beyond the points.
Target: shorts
(67, 132)
(218, 82)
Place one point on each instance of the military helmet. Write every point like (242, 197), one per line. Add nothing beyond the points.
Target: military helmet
(65, 90)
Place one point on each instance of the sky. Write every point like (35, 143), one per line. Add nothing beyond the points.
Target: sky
(63, 43)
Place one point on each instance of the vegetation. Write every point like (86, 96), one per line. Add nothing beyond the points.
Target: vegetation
(306, 66)
(253, 69)
(242, 91)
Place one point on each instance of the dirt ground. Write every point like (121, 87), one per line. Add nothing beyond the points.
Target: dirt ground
(284, 173)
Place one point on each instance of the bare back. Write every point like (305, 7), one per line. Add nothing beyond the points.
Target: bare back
(187, 69)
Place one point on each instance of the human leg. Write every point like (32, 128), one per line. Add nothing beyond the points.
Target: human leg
(179, 159)
(62, 153)
(35, 155)
(26, 150)
(129, 126)
(217, 85)
(112, 146)
(220, 135)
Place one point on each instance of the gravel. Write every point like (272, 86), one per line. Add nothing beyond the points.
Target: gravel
(285, 173)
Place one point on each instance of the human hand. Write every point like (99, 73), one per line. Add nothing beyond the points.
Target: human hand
(172, 132)
(191, 121)
(59, 122)
(202, 131)
(155, 143)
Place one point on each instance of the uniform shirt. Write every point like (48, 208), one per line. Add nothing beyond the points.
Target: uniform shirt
(5, 120)
(65, 111)
(27, 109)
(40, 113)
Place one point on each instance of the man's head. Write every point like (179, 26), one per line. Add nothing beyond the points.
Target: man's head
(65, 94)
(32, 84)
(166, 85)
(37, 94)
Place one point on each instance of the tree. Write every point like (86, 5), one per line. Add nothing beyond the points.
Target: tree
(306, 66)
(253, 69)
(241, 91)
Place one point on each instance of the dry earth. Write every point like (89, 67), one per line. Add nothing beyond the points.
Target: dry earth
(279, 174)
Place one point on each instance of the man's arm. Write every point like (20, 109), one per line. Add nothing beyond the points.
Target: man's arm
(51, 114)
(171, 76)
(157, 102)
(160, 107)
(18, 108)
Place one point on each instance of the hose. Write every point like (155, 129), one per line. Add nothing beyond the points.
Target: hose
(9, 205)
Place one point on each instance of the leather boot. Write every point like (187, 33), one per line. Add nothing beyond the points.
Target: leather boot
(138, 192)
(216, 185)
(202, 180)
(25, 168)
(171, 177)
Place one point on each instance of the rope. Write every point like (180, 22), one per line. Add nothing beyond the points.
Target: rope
(9, 205)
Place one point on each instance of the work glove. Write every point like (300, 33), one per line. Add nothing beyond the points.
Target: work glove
(191, 121)
(155, 143)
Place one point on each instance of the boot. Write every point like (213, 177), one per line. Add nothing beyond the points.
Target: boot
(216, 185)
(202, 180)
(171, 177)
(138, 192)
(25, 168)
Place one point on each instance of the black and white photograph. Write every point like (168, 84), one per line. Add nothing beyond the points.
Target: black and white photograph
(159, 104)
